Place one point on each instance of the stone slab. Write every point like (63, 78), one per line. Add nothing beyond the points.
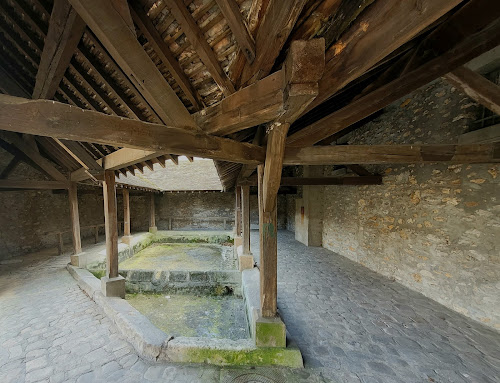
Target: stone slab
(153, 229)
(127, 239)
(113, 287)
(270, 332)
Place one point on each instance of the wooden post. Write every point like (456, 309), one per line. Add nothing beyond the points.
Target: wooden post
(152, 221)
(60, 244)
(111, 224)
(75, 218)
(96, 233)
(245, 213)
(237, 212)
(126, 213)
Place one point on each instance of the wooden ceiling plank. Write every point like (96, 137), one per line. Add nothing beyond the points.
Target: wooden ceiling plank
(392, 154)
(477, 87)
(142, 20)
(461, 50)
(200, 45)
(65, 31)
(116, 35)
(41, 162)
(278, 22)
(234, 19)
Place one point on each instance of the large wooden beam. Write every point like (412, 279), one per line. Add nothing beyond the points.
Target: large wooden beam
(321, 181)
(461, 50)
(200, 45)
(48, 118)
(392, 154)
(231, 12)
(33, 185)
(152, 214)
(111, 224)
(161, 49)
(65, 31)
(278, 22)
(382, 28)
(477, 87)
(33, 155)
(115, 33)
(75, 218)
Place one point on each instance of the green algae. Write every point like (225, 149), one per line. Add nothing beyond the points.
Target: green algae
(98, 273)
(194, 316)
(177, 256)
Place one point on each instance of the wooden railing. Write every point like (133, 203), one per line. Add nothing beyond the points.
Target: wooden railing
(95, 228)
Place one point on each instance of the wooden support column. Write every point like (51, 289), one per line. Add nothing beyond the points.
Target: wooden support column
(152, 220)
(245, 214)
(75, 218)
(126, 216)
(237, 212)
(111, 224)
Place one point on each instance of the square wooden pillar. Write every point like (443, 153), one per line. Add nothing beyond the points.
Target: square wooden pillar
(152, 220)
(112, 285)
(237, 212)
(245, 217)
(75, 218)
(126, 216)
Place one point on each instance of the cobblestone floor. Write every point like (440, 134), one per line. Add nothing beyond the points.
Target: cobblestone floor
(351, 324)
(355, 325)
(50, 331)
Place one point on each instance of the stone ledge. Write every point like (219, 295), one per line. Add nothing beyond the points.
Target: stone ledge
(153, 344)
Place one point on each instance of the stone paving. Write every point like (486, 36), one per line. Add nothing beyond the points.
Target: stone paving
(351, 324)
(355, 325)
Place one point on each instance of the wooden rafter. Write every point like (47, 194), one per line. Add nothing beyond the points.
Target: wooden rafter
(476, 87)
(65, 31)
(279, 19)
(75, 150)
(366, 42)
(460, 48)
(161, 49)
(115, 34)
(231, 12)
(200, 45)
(33, 155)
(11, 166)
(392, 154)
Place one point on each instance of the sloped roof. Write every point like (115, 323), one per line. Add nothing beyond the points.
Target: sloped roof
(199, 175)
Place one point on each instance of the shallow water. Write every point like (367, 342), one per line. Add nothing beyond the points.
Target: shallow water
(194, 316)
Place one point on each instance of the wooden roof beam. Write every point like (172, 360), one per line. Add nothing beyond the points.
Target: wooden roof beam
(392, 154)
(200, 45)
(65, 31)
(75, 150)
(121, 42)
(40, 161)
(49, 118)
(477, 87)
(475, 39)
(278, 22)
(232, 14)
(33, 185)
(366, 42)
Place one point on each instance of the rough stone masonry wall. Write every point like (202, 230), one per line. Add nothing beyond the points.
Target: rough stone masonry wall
(434, 228)
(194, 210)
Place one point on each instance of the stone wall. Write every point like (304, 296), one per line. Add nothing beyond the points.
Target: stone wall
(435, 227)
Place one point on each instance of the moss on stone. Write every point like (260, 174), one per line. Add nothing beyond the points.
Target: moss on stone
(258, 357)
(270, 333)
(98, 273)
